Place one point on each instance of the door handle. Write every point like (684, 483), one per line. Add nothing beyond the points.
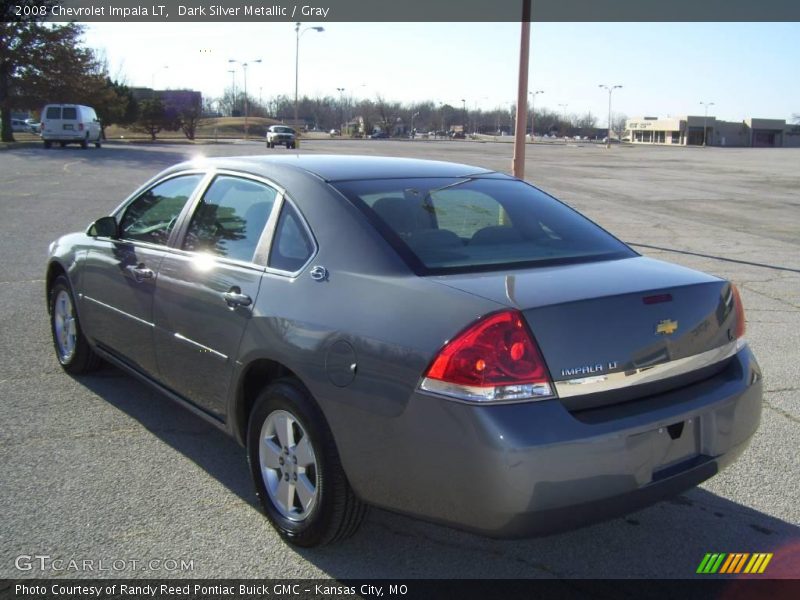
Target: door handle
(140, 272)
(234, 297)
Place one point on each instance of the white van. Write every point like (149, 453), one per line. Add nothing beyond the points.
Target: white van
(70, 123)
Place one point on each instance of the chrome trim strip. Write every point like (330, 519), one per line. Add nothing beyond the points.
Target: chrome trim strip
(118, 311)
(614, 381)
(183, 338)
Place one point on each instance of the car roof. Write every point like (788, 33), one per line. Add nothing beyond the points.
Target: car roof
(342, 168)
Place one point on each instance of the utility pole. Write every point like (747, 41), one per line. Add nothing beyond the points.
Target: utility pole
(518, 161)
(705, 120)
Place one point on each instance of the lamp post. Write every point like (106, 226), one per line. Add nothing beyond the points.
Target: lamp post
(564, 108)
(533, 113)
(153, 79)
(412, 123)
(464, 106)
(244, 68)
(233, 90)
(705, 120)
(341, 104)
(299, 33)
(610, 89)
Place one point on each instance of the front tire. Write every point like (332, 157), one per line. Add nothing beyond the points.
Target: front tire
(72, 349)
(296, 468)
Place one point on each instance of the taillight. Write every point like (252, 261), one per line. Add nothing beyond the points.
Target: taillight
(495, 359)
(80, 126)
(739, 308)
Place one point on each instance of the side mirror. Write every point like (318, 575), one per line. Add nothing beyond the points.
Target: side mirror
(104, 227)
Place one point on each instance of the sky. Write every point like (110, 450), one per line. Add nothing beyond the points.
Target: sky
(666, 69)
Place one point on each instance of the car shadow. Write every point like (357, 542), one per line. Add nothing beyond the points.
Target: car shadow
(666, 540)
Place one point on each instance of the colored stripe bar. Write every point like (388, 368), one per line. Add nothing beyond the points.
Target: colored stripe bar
(740, 564)
(765, 563)
(703, 563)
(717, 564)
(727, 566)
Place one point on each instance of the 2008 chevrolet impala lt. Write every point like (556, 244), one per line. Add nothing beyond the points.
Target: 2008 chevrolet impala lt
(432, 338)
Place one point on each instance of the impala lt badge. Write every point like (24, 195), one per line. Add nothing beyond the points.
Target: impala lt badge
(589, 369)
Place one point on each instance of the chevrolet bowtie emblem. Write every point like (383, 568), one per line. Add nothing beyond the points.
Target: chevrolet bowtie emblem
(666, 327)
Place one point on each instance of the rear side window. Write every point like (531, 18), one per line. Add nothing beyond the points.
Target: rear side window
(53, 112)
(230, 218)
(151, 217)
(292, 245)
(481, 224)
(69, 113)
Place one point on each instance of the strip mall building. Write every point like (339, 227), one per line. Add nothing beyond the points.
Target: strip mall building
(688, 131)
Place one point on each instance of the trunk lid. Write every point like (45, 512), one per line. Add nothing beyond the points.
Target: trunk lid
(594, 320)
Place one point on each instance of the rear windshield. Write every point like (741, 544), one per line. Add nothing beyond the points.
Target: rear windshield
(70, 113)
(480, 224)
(53, 112)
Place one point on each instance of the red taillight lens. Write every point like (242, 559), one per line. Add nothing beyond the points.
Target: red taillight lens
(80, 126)
(739, 308)
(494, 359)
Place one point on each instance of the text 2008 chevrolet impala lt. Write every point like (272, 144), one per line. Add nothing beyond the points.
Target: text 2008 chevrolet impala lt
(432, 338)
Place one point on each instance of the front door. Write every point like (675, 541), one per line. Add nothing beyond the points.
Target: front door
(121, 274)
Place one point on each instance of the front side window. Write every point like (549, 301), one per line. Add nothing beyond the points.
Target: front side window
(230, 218)
(478, 224)
(151, 217)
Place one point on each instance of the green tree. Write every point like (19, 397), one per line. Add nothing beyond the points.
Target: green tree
(189, 118)
(42, 63)
(153, 118)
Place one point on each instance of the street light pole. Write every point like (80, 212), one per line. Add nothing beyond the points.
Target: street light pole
(244, 68)
(610, 89)
(341, 104)
(464, 106)
(412, 124)
(233, 90)
(153, 79)
(705, 120)
(298, 33)
(533, 114)
(564, 108)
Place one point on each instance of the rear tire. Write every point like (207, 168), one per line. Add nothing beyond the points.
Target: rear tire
(63, 144)
(72, 349)
(296, 468)
(47, 144)
(85, 143)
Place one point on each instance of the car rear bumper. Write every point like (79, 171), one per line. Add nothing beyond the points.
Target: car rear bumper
(75, 136)
(532, 468)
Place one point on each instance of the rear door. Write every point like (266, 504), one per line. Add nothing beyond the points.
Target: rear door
(120, 274)
(207, 287)
(51, 122)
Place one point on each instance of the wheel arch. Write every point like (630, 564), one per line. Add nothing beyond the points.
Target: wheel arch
(255, 376)
(54, 270)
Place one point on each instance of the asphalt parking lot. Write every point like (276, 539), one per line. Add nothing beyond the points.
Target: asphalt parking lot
(101, 468)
